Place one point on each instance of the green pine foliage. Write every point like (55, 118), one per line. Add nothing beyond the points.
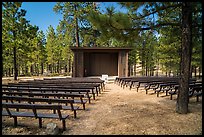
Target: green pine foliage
(152, 29)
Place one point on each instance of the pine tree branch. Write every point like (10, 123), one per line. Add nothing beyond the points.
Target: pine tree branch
(147, 28)
(160, 25)
(159, 9)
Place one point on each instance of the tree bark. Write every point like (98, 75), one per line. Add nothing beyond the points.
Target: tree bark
(26, 70)
(9, 72)
(42, 68)
(182, 99)
(199, 72)
(15, 64)
(65, 68)
(76, 28)
(31, 69)
(195, 71)
(69, 67)
(37, 67)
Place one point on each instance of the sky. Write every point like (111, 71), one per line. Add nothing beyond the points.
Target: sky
(42, 15)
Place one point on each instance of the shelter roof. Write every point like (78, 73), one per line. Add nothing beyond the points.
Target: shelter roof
(100, 49)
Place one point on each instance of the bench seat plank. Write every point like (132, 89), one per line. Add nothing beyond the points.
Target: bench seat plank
(34, 107)
(31, 114)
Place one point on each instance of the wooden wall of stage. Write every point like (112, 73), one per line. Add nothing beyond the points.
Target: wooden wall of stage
(95, 61)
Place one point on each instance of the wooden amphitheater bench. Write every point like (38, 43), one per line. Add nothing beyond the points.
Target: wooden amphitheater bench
(195, 89)
(137, 81)
(96, 82)
(149, 80)
(14, 99)
(91, 86)
(54, 89)
(165, 87)
(197, 95)
(152, 85)
(10, 109)
(48, 95)
(173, 92)
(197, 92)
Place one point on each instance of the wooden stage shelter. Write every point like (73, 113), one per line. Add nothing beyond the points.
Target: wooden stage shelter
(96, 61)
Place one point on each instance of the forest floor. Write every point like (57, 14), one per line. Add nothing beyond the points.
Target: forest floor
(118, 111)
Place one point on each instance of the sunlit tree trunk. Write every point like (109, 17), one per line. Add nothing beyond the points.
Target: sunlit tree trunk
(76, 28)
(182, 99)
(15, 64)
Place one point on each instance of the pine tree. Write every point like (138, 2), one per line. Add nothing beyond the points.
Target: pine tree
(145, 21)
(74, 13)
(16, 31)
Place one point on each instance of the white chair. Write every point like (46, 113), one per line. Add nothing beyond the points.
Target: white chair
(104, 77)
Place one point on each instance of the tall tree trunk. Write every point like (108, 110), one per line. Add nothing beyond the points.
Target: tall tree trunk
(76, 28)
(192, 70)
(37, 70)
(65, 68)
(15, 64)
(26, 70)
(157, 71)
(129, 71)
(31, 69)
(195, 71)
(53, 66)
(4, 73)
(182, 99)
(48, 67)
(69, 66)
(58, 67)
(199, 72)
(9, 73)
(94, 30)
(42, 68)
(19, 71)
(12, 71)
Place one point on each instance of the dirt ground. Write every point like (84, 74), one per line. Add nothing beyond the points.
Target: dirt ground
(118, 111)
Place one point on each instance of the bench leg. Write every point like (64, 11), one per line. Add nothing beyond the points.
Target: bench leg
(157, 94)
(171, 97)
(197, 98)
(54, 111)
(84, 106)
(146, 91)
(40, 122)
(96, 91)
(166, 92)
(74, 113)
(89, 99)
(93, 95)
(99, 90)
(63, 125)
(15, 121)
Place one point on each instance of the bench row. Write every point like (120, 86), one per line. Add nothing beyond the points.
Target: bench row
(48, 96)
(34, 113)
(160, 84)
